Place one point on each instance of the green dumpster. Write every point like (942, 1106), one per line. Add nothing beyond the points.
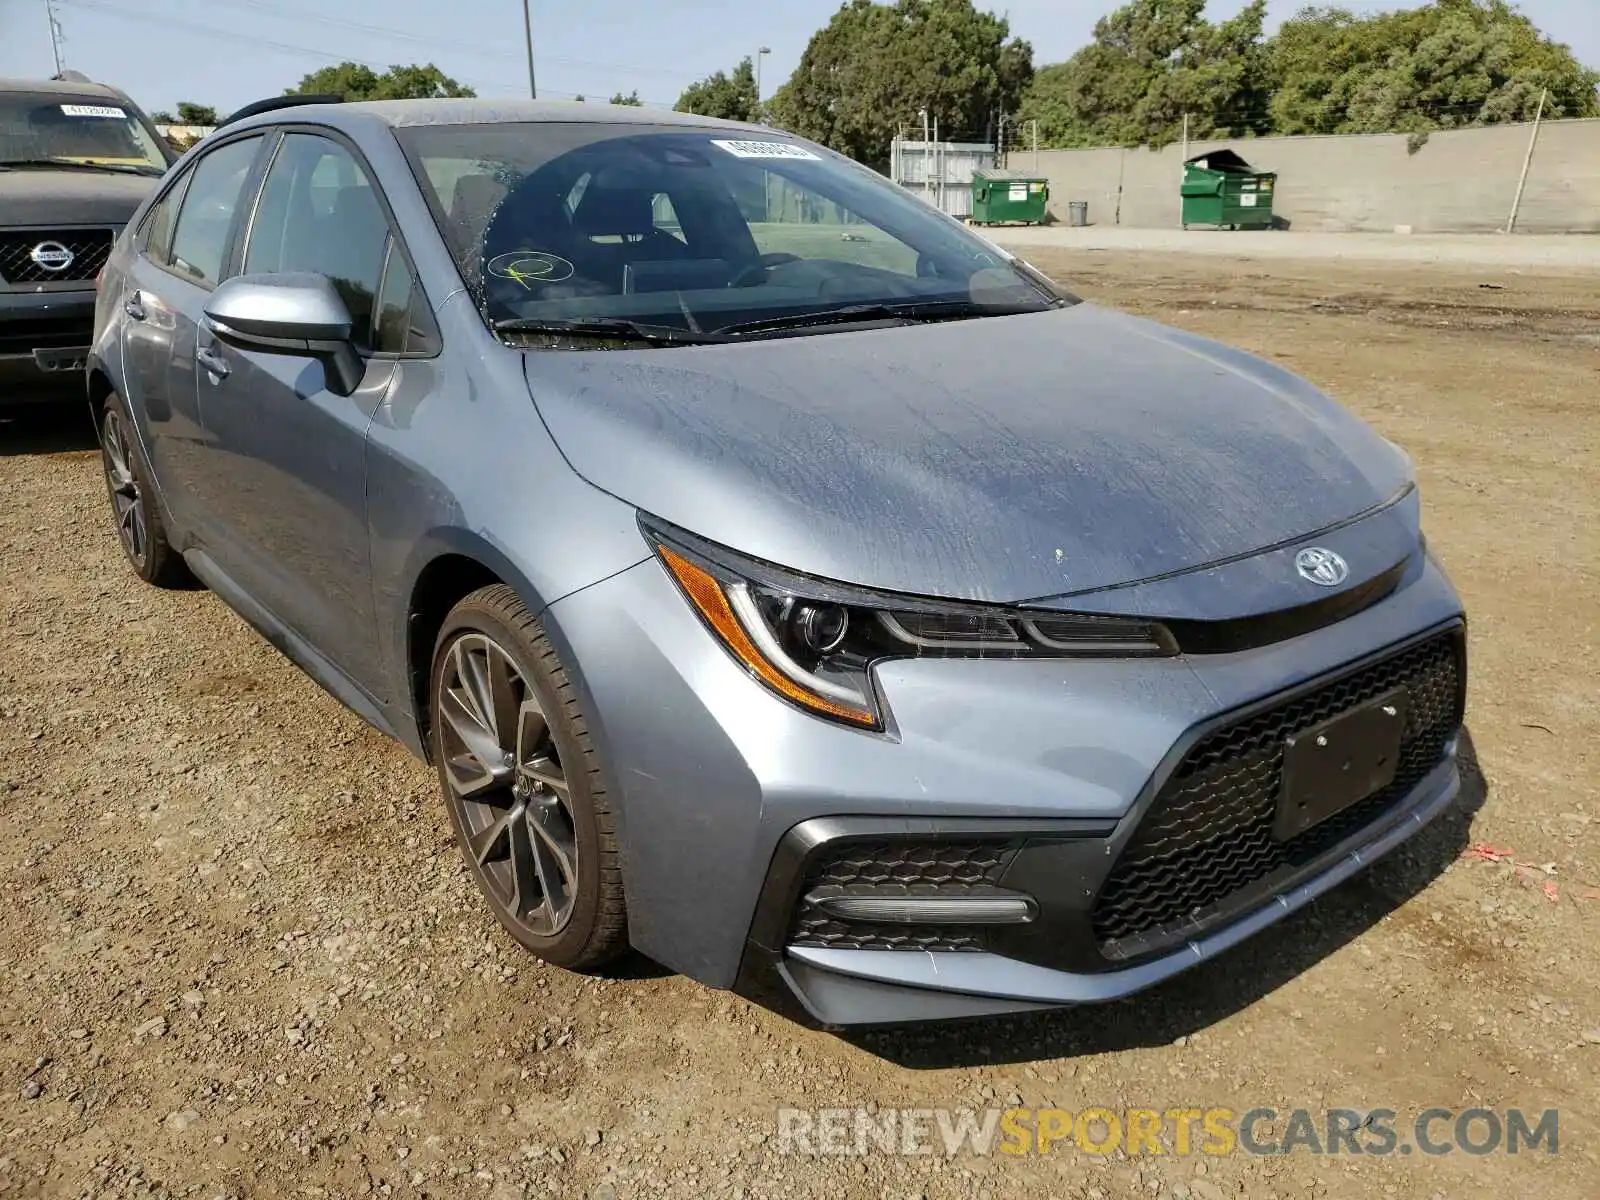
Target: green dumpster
(1221, 189)
(1001, 196)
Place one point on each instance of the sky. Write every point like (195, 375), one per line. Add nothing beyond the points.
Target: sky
(227, 53)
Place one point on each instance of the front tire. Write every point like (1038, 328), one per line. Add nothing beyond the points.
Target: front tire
(523, 784)
(140, 529)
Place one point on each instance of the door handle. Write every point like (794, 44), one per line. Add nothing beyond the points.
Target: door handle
(134, 306)
(214, 363)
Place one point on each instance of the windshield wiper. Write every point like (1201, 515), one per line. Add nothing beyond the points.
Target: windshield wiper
(65, 164)
(608, 327)
(850, 314)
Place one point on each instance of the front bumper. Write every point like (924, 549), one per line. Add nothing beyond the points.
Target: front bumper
(846, 987)
(728, 794)
(44, 344)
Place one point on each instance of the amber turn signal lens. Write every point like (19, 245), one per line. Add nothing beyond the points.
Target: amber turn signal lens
(708, 597)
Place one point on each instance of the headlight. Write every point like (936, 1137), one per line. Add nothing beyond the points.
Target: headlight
(813, 642)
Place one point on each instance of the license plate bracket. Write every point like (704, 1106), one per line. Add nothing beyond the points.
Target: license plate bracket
(75, 358)
(1339, 762)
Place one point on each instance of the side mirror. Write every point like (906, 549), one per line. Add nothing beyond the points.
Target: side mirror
(290, 313)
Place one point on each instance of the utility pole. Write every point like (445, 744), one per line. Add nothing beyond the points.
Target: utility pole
(1516, 205)
(761, 53)
(55, 32)
(1035, 124)
(1182, 168)
(927, 160)
(527, 33)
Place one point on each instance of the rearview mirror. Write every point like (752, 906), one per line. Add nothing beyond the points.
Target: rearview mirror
(297, 313)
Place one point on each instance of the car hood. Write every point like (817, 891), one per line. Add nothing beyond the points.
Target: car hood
(1001, 459)
(30, 198)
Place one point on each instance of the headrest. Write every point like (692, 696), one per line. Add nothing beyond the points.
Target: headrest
(604, 211)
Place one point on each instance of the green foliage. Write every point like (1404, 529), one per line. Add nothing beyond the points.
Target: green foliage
(874, 67)
(1449, 64)
(631, 100)
(1151, 62)
(730, 98)
(195, 114)
(356, 82)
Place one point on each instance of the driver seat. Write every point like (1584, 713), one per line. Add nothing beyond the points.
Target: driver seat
(615, 227)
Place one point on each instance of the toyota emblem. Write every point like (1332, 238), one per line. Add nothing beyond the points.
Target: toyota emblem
(1321, 567)
(52, 257)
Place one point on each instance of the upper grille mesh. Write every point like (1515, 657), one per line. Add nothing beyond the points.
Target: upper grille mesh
(1208, 833)
(90, 249)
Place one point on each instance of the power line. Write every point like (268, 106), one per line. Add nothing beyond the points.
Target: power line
(187, 26)
(400, 35)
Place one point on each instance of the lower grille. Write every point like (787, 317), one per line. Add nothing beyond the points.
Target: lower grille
(1207, 838)
(882, 868)
(54, 333)
(89, 249)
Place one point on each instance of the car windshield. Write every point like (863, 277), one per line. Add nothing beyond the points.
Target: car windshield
(642, 230)
(41, 130)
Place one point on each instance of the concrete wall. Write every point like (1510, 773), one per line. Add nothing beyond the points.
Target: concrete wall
(1463, 181)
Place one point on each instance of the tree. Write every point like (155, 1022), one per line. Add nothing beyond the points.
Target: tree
(874, 68)
(631, 100)
(195, 114)
(732, 99)
(1151, 63)
(1448, 64)
(354, 81)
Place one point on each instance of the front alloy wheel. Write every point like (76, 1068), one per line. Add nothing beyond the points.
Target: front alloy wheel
(523, 784)
(506, 785)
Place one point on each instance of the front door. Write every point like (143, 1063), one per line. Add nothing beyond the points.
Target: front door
(285, 456)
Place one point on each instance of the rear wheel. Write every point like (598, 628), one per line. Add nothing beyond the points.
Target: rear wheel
(140, 529)
(523, 784)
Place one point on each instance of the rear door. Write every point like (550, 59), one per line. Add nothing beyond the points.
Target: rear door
(285, 457)
(186, 243)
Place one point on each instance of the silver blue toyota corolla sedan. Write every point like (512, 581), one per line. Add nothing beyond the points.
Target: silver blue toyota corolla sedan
(782, 579)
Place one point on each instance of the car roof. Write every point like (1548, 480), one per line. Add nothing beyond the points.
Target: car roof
(61, 87)
(412, 113)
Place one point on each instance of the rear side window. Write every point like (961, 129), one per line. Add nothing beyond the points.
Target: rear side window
(319, 212)
(158, 225)
(200, 242)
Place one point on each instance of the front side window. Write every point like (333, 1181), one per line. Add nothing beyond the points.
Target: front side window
(318, 212)
(691, 229)
(52, 130)
(200, 241)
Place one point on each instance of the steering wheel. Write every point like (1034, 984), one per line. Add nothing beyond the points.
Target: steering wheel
(745, 276)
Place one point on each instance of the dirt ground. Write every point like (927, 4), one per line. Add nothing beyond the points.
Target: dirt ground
(240, 956)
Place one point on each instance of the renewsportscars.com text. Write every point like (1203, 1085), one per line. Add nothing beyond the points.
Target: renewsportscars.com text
(1176, 1131)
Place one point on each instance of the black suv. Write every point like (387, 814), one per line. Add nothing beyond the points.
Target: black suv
(76, 160)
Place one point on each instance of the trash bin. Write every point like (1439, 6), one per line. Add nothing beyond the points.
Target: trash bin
(1078, 213)
(1001, 197)
(1221, 189)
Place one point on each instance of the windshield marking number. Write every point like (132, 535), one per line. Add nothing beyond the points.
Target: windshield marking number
(744, 149)
(94, 110)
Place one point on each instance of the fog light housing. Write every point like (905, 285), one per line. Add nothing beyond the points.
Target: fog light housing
(989, 908)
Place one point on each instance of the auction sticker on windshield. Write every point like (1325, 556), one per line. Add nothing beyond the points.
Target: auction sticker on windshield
(94, 110)
(762, 149)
